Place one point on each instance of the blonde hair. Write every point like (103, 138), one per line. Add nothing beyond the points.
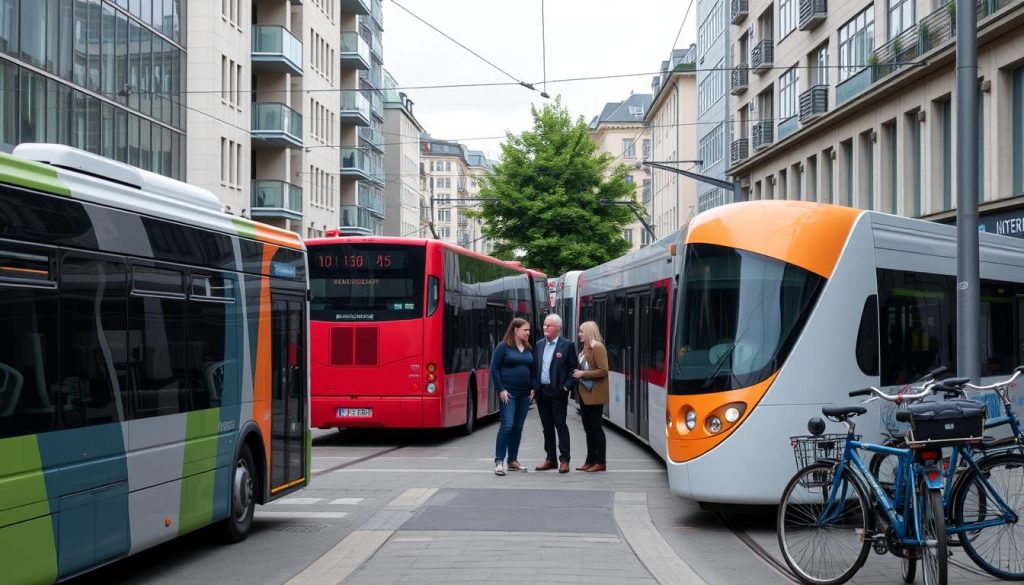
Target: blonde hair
(591, 330)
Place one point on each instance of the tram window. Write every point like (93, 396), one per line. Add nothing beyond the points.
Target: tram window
(24, 266)
(659, 328)
(29, 354)
(917, 324)
(867, 337)
(210, 323)
(93, 310)
(157, 347)
(213, 288)
(148, 280)
(997, 328)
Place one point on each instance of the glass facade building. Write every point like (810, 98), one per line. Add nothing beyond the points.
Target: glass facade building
(103, 76)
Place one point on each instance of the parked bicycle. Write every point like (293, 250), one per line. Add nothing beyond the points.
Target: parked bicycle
(833, 511)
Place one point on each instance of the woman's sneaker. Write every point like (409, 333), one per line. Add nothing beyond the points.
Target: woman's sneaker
(499, 468)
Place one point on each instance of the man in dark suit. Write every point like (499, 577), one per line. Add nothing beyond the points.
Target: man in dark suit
(556, 359)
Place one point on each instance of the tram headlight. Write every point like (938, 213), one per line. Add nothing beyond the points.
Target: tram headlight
(732, 414)
(691, 419)
(714, 424)
(431, 388)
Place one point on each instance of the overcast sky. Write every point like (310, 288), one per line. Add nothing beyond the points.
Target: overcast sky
(584, 38)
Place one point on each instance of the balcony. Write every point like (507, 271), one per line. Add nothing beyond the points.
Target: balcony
(356, 163)
(813, 102)
(355, 108)
(355, 6)
(812, 13)
(740, 150)
(376, 48)
(276, 199)
(372, 199)
(739, 79)
(762, 56)
(372, 78)
(356, 220)
(762, 135)
(463, 221)
(377, 105)
(276, 50)
(739, 11)
(373, 137)
(277, 125)
(377, 13)
(355, 52)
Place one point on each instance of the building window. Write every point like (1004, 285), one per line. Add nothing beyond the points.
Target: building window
(946, 107)
(819, 63)
(646, 147)
(787, 16)
(712, 146)
(629, 148)
(856, 43)
(787, 94)
(628, 236)
(444, 216)
(630, 180)
(710, 29)
(901, 16)
(712, 87)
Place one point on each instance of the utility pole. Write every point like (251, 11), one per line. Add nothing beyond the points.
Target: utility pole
(968, 274)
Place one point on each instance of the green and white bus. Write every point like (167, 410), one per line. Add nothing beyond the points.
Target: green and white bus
(153, 363)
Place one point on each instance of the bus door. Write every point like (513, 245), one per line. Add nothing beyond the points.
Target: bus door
(638, 328)
(288, 402)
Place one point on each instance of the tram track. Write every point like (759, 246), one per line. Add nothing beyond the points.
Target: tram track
(359, 460)
(755, 547)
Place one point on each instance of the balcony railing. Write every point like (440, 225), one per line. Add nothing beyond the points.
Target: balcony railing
(376, 47)
(355, 52)
(740, 149)
(356, 163)
(373, 137)
(739, 11)
(812, 13)
(355, 218)
(276, 199)
(813, 102)
(276, 49)
(276, 124)
(377, 13)
(739, 79)
(376, 104)
(371, 198)
(355, 108)
(761, 134)
(762, 56)
(355, 6)
(372, 77)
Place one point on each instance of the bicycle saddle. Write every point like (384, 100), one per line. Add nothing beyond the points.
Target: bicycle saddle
(952, 383)
(842, 411)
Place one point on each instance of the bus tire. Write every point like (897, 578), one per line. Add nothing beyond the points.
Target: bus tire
(467, 429)
(235, 528)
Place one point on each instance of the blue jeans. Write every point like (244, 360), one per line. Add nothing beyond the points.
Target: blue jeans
(510, 433)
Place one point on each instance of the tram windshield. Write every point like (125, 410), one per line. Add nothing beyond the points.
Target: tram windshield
(739, 315)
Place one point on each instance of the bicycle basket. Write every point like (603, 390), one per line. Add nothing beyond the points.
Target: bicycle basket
(810, 448)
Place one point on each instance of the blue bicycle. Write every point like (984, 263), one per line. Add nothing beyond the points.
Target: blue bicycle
(828, 522)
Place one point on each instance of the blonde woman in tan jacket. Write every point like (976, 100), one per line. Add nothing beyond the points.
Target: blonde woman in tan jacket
(592, 391)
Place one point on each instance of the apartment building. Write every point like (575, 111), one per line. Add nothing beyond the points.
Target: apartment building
(450, 183)
(853, 103)
(672, 120)
(619, 130)
(103, 76)
(407, 210)
(281, 122)
(714, 130)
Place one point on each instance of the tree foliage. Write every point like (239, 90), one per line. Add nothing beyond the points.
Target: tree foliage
(547, 202)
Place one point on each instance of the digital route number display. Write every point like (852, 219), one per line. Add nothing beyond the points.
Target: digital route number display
(373, 261)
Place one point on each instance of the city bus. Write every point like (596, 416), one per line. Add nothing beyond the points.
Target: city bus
(402, 331)
(779, 308)
(153, 364)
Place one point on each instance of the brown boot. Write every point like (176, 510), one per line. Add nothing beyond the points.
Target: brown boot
(548, 464)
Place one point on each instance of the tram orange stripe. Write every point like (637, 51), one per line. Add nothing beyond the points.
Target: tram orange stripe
(808, 235)
(262, 381)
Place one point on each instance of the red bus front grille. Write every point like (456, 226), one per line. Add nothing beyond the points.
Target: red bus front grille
(354, 346)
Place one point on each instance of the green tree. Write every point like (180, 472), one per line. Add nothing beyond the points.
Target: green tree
(546, 202)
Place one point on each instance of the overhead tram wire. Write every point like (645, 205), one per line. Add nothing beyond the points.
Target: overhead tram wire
(544, 51)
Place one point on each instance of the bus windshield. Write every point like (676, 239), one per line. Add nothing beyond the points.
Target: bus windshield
(739, 315)
(366, 282)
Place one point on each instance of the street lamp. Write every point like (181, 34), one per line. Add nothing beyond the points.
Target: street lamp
(734, 186)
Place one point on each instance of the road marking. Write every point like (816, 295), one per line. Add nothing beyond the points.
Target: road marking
(301, 515)
(346, 501)
(355, 549)
(648, 544)
(297, 501)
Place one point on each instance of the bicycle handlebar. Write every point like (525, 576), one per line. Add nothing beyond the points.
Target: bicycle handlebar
(1016, 374)
(901, 397)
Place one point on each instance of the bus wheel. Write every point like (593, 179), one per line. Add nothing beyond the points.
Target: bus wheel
(236, 526)
(467, 429)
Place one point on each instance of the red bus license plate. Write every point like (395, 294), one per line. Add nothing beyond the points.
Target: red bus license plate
(355, 412)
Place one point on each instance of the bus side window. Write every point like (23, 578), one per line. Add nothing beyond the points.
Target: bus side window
(29, 348)
(433, 294)
(867, 337)
(157, 353)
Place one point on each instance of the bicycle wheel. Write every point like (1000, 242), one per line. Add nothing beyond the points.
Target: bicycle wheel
(884, 467)
(996, 549)
(908, 569)
(829, 551)
(934, 560)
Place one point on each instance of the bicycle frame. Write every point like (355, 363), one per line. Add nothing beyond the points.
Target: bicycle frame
(896, 520)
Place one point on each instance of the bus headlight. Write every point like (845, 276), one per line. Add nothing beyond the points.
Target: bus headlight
(431, 388)
(732, 414)
(691, 419)
(714, 424)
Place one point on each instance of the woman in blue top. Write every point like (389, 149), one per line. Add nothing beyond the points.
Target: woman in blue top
(512, 375)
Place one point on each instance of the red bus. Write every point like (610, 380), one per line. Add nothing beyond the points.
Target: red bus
(402, 330)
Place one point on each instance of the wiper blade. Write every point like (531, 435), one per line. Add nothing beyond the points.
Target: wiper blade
(718, 367)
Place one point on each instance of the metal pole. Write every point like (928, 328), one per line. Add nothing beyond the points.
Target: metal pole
(968, 294)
